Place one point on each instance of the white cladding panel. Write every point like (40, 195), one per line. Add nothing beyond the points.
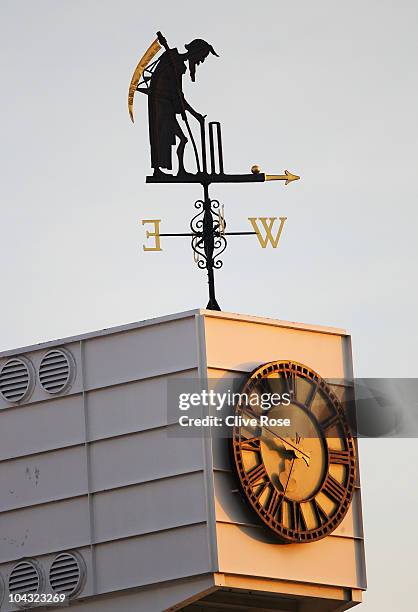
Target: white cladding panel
(235, 343)
(46, 528)
(158, 557)
(130, 407)
(42, 426)
(149, 507)
(151, 599)
(142, 456)
(331, 561)
(140, 353)
(43, 477)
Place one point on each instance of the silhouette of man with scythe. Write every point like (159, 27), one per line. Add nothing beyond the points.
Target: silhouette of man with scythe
(166, 100)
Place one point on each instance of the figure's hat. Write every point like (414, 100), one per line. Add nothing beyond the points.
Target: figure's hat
(199, 47)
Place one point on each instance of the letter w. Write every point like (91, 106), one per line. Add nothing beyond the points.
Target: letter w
(267, 223)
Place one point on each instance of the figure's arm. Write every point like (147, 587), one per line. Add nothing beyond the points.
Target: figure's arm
(185, 106)
(192, 111)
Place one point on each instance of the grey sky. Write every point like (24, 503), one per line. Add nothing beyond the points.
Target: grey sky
(325, 89)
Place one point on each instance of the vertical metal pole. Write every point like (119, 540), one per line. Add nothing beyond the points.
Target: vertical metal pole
(208, 242)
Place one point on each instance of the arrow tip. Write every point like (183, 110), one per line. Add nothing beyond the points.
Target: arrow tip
(290, 177)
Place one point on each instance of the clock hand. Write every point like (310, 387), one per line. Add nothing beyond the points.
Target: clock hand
(298, 439)
(288, 479)
(299, 454)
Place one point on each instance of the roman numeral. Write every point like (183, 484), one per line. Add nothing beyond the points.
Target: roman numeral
(330, 422)
(300, 519)
(340, 457)
(291, 384)
(333, 489)
(320, 514)
(273, 503)
(257, 474)
(297, 520)
(252, 444)
(311, 397)
(263, 486)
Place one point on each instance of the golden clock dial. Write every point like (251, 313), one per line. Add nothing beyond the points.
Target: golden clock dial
(299, 478)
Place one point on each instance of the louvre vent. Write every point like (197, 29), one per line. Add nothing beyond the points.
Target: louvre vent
(25, 577)
(56, 371)
(16, 380)
(67, 574)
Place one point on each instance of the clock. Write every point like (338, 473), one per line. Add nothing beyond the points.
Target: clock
(294, 457)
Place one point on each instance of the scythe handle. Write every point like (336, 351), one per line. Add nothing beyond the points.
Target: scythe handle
(162, 40)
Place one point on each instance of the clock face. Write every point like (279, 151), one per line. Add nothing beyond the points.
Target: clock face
(295, 461)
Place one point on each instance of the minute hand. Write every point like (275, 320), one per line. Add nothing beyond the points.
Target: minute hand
(300, 454)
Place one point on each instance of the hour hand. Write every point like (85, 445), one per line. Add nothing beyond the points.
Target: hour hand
(302, 455)
(293, 447)
(297, 452)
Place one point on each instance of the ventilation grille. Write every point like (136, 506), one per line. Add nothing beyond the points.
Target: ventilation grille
(55, 371)
(66, 574)
(24, 578)
(15, 380)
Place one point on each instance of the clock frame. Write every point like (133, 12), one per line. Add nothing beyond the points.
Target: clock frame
(333, 460)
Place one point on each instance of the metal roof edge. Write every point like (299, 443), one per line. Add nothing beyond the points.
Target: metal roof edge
(173, 317)
(101, 332)
(274, 322)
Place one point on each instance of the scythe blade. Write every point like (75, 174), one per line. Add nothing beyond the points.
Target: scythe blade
(142, 64)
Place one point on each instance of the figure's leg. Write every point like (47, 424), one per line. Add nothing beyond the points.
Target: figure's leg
(159, 172)
(180, 149)
(180, 154)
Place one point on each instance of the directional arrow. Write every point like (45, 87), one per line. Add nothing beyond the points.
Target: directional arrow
(287, 176)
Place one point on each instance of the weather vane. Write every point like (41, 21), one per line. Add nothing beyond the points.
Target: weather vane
(161, 80)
